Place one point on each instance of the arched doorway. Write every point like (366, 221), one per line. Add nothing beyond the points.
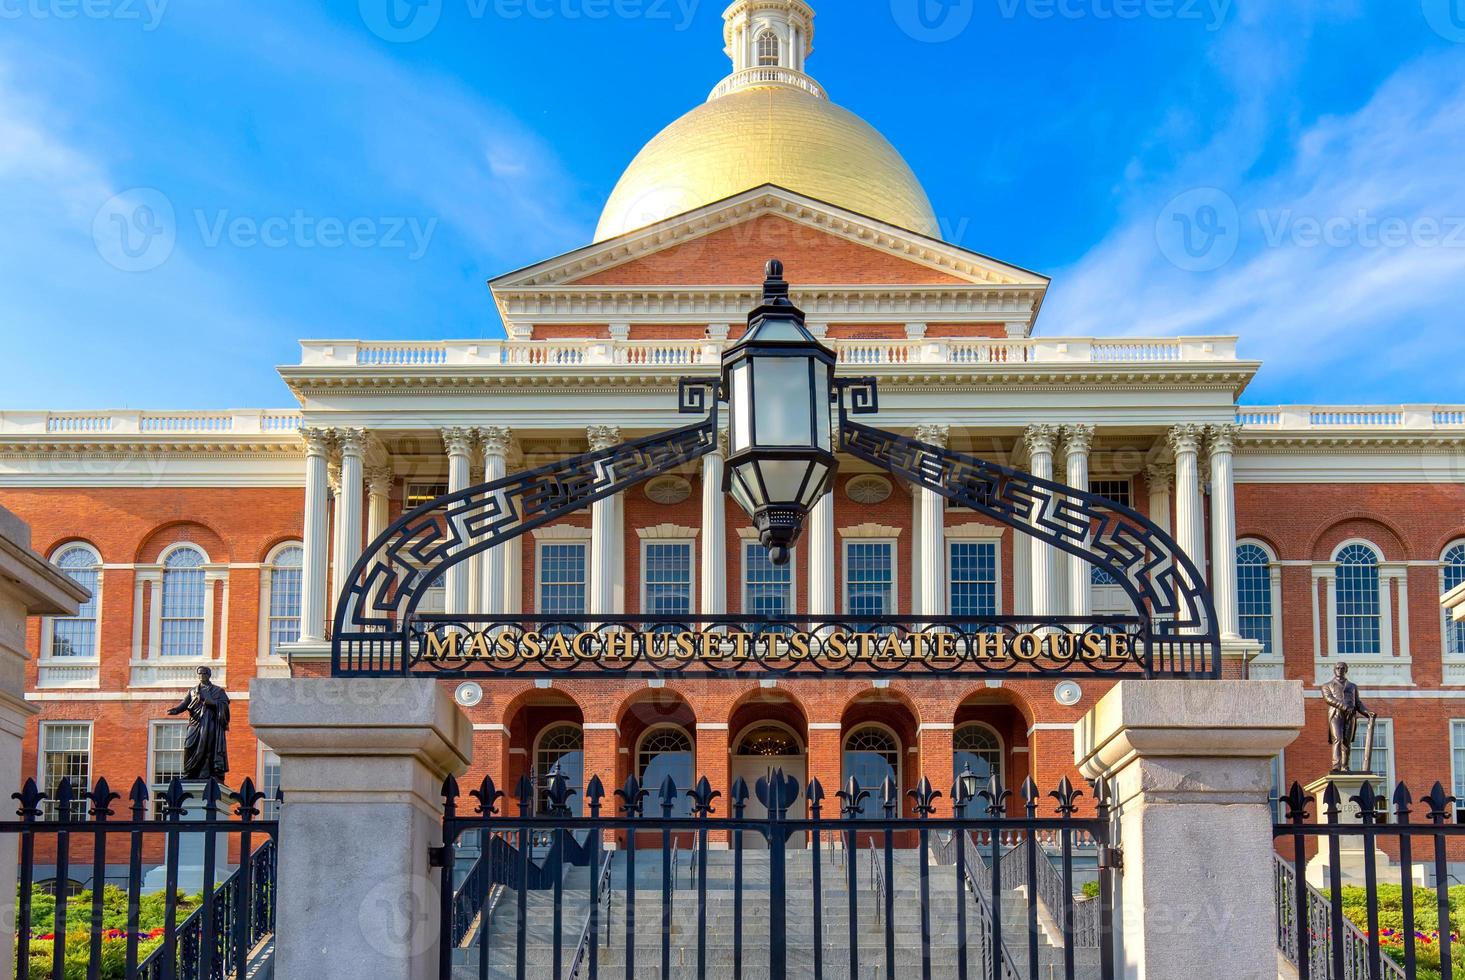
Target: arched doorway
(560, 748)
(871, 755)
(976, 750)
(756, 751)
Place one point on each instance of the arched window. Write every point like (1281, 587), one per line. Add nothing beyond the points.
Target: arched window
(769, 741)
(977, 747)
(1358, 615)
(184, 598)
(1101, 578)
(76, 636)
(1453, 572)
(285, 569)
(666, 751)
(871, 755)
(768, 49)
(560, 747)
(1254, 593)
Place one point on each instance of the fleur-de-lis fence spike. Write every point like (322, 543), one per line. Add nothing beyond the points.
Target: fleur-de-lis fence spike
(1067, 797)
(1332, 803)
(889, 797)
(1367, 802)
(488, 796)
(30, 799)
(1103, 797)
(702, 796)
(853, 798)
(924, 796)
(633, 797)
(524, 795)
(1297, 802)
(175, 800)
(594, 793)
(996, 796)
(101, 798)
(668, 796)
(1030, 796)
(739, 797)
(559, 793)
(450, 797)
(1439, 804)
(247, 800)
(140, 798)
(212, 796)
(64, 800)
(815, 796)
(1403, 801)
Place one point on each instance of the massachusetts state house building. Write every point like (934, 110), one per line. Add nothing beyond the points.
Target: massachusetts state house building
(221, 538)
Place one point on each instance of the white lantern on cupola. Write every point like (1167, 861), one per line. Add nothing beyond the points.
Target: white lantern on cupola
(778, 381)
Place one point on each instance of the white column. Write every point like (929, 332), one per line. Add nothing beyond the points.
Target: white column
(1222, 445)
(1078, 441)
(496, 442)
(1179, 756)
(378, 501)
(1386, 614)
(1189, 526)
(605, 532)
(1402, 579)
(459, 444)
(1160, 475)
(714, 533)
(933, 533)
(317, 535)
(362, 763)
(821, 558)
(334, 472)
(1041, 440)
(348, 510)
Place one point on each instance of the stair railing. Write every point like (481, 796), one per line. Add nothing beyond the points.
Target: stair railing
(877, 882)
(582, 946)
(1051, 897)
(1319, 911)
(979, 883)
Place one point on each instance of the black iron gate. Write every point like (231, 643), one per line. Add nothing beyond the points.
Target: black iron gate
(690, 885)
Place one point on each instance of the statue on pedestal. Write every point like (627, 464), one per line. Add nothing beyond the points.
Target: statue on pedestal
(1345, 707)
(205, 750)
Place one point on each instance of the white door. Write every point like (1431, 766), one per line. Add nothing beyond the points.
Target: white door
(755, 767)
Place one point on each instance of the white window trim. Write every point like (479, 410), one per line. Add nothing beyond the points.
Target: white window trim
(1391, 666)
(1447, 621)
(691, 734)
(899, 759)
(691, 545)
(73, 672)
(153, 726)
(1274, 575)
(149, 668)
(1001, 746)
(539, 547)
(266, 583)
(91, 752)
(1391, 776)
(793, 574)
(995, 540)
(894, 570)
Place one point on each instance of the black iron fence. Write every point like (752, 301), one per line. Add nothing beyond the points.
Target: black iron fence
(208, 929)
(1368, 914)
(842, 888)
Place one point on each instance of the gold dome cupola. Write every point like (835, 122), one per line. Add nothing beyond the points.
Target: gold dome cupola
(768, 122)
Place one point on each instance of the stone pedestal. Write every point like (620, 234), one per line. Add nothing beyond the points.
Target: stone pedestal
(1189, 764)
(1350, 852)
(361, 766)
(193, 846)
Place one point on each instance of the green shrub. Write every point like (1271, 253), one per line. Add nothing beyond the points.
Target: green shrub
(151, 917)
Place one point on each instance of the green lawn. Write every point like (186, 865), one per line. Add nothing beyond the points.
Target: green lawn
(114, 937)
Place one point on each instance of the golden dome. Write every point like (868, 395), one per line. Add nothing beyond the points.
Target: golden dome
(773, 133)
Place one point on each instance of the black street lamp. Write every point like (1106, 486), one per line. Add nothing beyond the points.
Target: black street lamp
(778, 381)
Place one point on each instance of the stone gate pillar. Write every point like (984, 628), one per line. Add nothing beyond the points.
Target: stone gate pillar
(1189, 765)
(361, 765)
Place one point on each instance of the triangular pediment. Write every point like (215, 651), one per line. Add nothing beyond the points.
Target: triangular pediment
(727, 243)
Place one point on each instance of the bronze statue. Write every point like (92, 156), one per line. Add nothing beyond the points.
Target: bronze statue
(1344, 709)
(206, 750)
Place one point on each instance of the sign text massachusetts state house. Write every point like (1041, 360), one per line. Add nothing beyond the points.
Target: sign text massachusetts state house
(220, 538)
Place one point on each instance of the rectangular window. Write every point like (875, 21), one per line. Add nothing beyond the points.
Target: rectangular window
(1116, 490)
(768, 589)
(1383, 758)
(66, 753)
(869, 578)
(167, 758)
(973, 575)
(284, 607)
(666, 578)
(562, 581)
(269, 783)
(1279, 789)
(420, 493)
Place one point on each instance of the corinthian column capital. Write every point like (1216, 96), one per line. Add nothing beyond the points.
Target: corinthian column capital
(318, 441)
(352, 441)
(1222, 438)
(1186, 437)
(379, 480)
(1040, 438)
(1161, 474)
(935, 435)
(1078, 439)
(458, 440)
(603, 436)
(497, 440)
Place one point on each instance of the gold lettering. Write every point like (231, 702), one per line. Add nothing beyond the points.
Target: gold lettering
(438, 646)
(1093, 646)
(988, 646)
(798, 647)
(686, 646)
(1026, 646)
(532, 646)
(506, 647)
(1120, 647)
(477, 648)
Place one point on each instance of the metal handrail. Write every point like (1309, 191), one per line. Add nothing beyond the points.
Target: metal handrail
(979, 882)
(1319, 907)
(190, 931)
(582, 947)
(877, 882)
(1051, 893)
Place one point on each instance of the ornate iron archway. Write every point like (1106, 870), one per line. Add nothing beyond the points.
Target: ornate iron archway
(378, 630)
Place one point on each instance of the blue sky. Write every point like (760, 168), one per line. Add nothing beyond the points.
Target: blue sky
(1290, 172)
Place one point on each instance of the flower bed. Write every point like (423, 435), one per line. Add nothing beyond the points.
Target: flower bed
(151, 910)
(1426, 925)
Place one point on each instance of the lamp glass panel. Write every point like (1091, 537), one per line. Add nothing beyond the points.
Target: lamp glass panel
(745, 487)
(783, 478)
(780, 330)
(815, 489)
(822, 421)
(782, 411)
(741, 434)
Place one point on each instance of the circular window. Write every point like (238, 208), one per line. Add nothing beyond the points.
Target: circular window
(868, 489)
(668, 490)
